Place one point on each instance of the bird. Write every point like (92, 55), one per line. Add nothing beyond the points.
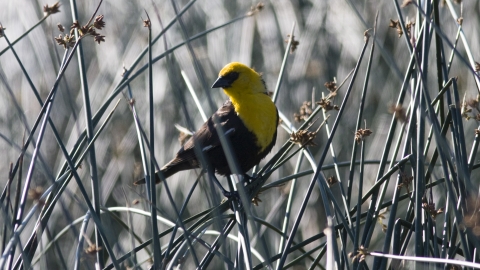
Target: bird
(249, 119)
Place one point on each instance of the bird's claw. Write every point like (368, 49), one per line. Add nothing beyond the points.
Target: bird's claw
(231, 195)
(234, 198)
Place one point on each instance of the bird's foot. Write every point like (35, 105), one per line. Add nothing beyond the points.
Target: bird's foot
(233, 195)
(234, 198)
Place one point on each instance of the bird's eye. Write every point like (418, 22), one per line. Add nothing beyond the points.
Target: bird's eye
(231, 76)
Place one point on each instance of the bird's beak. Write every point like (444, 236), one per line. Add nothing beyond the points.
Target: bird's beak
(221, 82)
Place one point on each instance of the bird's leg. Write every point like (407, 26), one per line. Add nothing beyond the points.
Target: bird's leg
(228, 194)
(225, 193)
(231, 196)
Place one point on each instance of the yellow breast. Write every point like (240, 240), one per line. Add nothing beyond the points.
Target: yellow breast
(259, 115)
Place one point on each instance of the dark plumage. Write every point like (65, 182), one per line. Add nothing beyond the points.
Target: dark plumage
(249, 120)
(241, 140)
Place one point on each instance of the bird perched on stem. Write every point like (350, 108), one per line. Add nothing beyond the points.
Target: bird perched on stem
(249, 119)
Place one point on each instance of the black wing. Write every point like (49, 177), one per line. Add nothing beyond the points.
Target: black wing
(207, 139)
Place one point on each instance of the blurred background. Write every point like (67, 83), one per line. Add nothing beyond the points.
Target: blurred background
(330, 36)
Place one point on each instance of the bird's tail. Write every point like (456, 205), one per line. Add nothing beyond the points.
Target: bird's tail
(167, 172)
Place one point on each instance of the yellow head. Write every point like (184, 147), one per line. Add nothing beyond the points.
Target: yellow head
(236, 79)
(247, 91)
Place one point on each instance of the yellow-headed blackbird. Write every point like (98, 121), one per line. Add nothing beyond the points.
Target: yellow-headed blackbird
(249, 119)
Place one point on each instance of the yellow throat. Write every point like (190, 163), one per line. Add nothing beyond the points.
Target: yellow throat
(252, 105)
